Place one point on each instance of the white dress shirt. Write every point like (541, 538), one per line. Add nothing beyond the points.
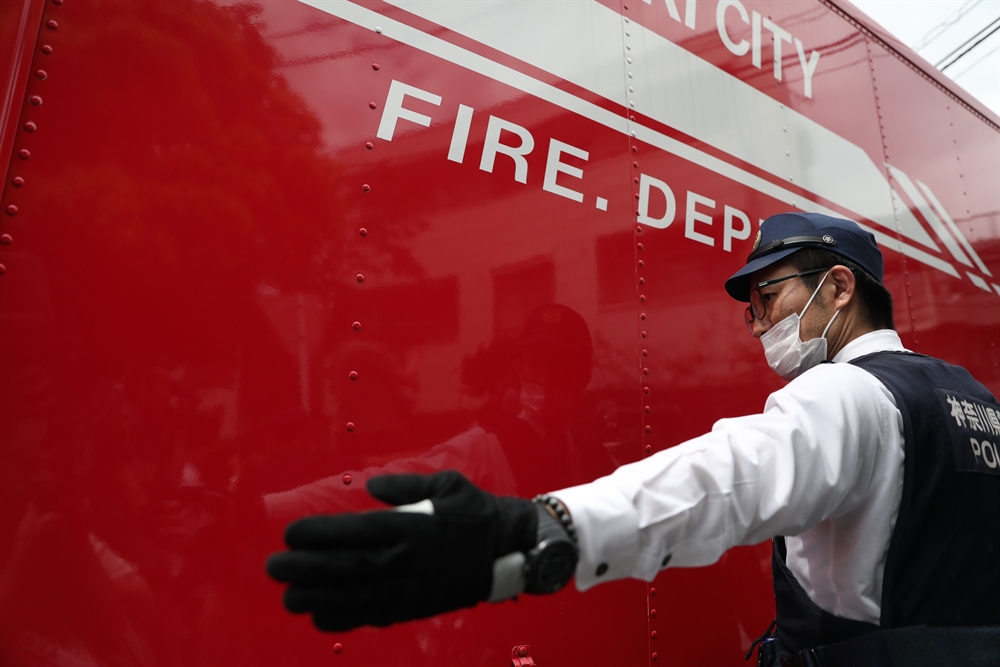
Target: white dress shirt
(822, 465)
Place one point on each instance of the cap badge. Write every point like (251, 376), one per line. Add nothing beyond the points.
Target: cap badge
(756, 241)
(829, 240)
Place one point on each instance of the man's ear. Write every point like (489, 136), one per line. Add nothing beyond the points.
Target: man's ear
(843, 281)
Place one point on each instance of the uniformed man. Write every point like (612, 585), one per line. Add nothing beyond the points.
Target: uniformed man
(876, 475)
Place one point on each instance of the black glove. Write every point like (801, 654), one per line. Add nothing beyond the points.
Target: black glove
(377, 568)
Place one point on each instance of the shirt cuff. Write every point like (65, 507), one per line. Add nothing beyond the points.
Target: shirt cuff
(607, 528)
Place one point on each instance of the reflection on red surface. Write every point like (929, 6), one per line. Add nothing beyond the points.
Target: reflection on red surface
(219, 301)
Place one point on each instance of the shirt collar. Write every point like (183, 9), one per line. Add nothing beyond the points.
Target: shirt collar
(877, 341)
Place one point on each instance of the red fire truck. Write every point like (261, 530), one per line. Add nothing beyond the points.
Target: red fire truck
(254, 252)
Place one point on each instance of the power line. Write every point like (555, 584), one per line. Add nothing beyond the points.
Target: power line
(965, 47)
(981, 59)
(942, 27)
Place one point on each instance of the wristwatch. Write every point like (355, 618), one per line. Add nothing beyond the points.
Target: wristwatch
(551, 564)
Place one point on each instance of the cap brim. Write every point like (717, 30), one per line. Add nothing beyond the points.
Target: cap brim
(738, 286)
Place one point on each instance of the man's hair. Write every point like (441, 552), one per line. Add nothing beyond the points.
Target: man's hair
(875, 304)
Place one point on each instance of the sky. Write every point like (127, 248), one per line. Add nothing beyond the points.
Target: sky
(936, 28)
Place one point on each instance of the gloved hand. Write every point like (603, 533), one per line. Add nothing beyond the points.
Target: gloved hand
(382, 567)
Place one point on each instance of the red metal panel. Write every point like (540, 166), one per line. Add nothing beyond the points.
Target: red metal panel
(179, 336)
(229, 300)
(949, 317)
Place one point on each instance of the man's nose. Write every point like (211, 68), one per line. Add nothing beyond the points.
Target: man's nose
(760, 327)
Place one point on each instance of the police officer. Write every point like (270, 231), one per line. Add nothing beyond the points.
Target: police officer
(876, 475)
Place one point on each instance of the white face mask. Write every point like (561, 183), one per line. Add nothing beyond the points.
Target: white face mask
(786, 353)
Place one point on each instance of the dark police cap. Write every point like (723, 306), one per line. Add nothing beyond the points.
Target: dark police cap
(785, 233)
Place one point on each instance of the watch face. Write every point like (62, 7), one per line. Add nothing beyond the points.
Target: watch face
(555, 565)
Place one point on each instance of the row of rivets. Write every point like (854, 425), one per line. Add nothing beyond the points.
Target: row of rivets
(29, 127)
(644, 353)
(360, 278)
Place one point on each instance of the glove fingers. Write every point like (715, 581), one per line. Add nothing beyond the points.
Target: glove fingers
(368, 529)
(344, 566)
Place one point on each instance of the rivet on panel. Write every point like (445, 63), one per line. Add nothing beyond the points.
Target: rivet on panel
(636, 195)
(375, 66)
(369, 145)
(338, 647)
(360, 277)
(366, 188)
(350, 426)
(53, 25)
(642, 298)
(645, 371)
(12, 209)
(378, 30)
(642, 316)
(646, 409)
(353, 375)
(642, 281)
(372, 105)
(2, 268)
(641, 264)
(30, 127)
(363, 232)
(35, 100)
(638, 229)
(636, 180)
(24, 153)
(18, 181)
(47, 49)
(6, 239)
(649, 429)
(643, 334)
(649, 449)
(652, 612)
(57, 2)
(632, 118)
(356, 326)
(653, 634)
(635, 165)
(645, 352)
(42, 74)
(655, 656)
(639, 246)
(645, 390)
(652, 591)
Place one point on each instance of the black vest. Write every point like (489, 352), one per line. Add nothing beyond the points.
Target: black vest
(943, 564)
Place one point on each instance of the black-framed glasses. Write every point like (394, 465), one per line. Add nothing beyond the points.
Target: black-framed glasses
(757, 308)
